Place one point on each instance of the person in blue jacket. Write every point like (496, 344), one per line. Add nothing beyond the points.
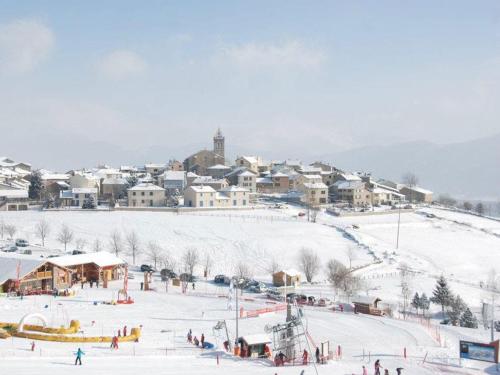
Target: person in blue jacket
(79, 354)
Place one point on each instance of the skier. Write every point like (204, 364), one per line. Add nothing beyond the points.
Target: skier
(302, 372)
(377, 367)
(119, 332)
(193, 286)
(79, 354)
(202, 340)
(398, 370)
(32, 346)
(189, 337)
(304, 357)
(196, 341)
(124, 331)
(318, 356)
(365, 371)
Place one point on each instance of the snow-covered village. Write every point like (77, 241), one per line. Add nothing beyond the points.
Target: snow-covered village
(249, 188)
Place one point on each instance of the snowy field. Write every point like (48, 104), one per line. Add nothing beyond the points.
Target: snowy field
(462, 248)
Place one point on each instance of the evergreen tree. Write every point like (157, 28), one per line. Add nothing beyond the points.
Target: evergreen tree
(468, 319)
(442, 294)
(480, 208)
(89, 203)
(457, 306)
(35, 189)
(416, 302)
(132, 181)
(424, 303)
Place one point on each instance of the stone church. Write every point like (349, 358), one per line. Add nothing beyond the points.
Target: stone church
(200, 161)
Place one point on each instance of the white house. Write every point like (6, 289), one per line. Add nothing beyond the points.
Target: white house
(146, 195)
(76, 197)
(206, 197)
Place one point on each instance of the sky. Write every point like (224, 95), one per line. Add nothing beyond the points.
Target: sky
(86, 82)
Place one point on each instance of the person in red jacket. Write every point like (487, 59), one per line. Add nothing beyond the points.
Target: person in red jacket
(305, 355)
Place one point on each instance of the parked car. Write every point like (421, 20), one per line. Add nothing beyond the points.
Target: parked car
(220, 279)
(324, 302)
(11, 249)
(130, 276)
(77, 252)
(27, 252)
(147, 268)
(167, 274)
(274, 295)
(300, 214)
(22, 243)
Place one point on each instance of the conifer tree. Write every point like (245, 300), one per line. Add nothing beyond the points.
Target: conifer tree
(442, 294)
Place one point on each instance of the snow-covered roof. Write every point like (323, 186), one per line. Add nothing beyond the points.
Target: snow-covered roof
(234, 188)
(13, 193)
(251, 159)
(350, 177)
(280, 174)
(146, 186)
(192, 174)
(65, 194)
(114, 181)
(418, 189)
(381, 190)
(174, 175)
(208, 180)
(101, 259)
(259, 338)
(312, 176)
(348, 184)
(84, 190)
(315, 185)
(7, 162)
(155, 165)
(247, 173)
(55, 176)
(219, 166)
(202, 189)
(290, 272)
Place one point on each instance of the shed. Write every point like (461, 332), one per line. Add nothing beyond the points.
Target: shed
(254, 345)
(368, 306)
(292, 278)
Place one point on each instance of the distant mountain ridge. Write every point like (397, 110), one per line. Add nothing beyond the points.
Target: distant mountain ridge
(465, 170)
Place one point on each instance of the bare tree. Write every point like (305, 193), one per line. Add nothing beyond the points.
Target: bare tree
(342, 278)
(406, 275)
(43, 229)
(2, 228)
(351, 255)
(410, 179)
(190, 260)
(243, 271)
(167, 261)
(97, 246)
(133, 245)
(115, 242)
(273, 267)
(480, 208)
(314, 214)
(154, 253)
(207, 264)
(65, 236)
(80, 244)
(11, 230)
(309, 263)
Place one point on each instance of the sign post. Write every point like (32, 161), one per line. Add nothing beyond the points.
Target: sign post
(479, 351)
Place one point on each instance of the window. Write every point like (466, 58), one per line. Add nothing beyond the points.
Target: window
(211, 203)
(134, 202)
(151, 193)
(234, 202)
(151, 203)
(244, 202)
(87, 196)
(133, 193)
(77, 196)
(201, 203)
(142, 201)
(142, 193)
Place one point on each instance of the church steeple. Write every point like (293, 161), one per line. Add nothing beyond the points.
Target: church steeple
(219, 143)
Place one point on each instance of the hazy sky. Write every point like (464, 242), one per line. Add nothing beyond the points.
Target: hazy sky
(88, 81)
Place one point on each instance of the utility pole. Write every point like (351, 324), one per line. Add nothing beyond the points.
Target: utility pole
(492, 317)
(237, 317)
(399, 223)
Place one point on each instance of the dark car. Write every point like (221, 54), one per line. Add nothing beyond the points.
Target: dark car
(220, 279)
(77, 252)
(147, 268)
(169, 274)
(21, 243)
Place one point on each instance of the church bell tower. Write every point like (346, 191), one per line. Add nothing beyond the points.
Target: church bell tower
(219, 143)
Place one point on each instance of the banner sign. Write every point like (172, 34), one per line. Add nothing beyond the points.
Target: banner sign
(479, 351)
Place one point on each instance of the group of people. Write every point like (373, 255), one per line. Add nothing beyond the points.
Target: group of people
(280, 358)
(378, 368)
(194, 340)
(114, 340)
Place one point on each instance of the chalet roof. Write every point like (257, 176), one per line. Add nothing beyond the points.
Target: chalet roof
(146, 186)
(202, 189)
(101, 259)
(9, 264)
